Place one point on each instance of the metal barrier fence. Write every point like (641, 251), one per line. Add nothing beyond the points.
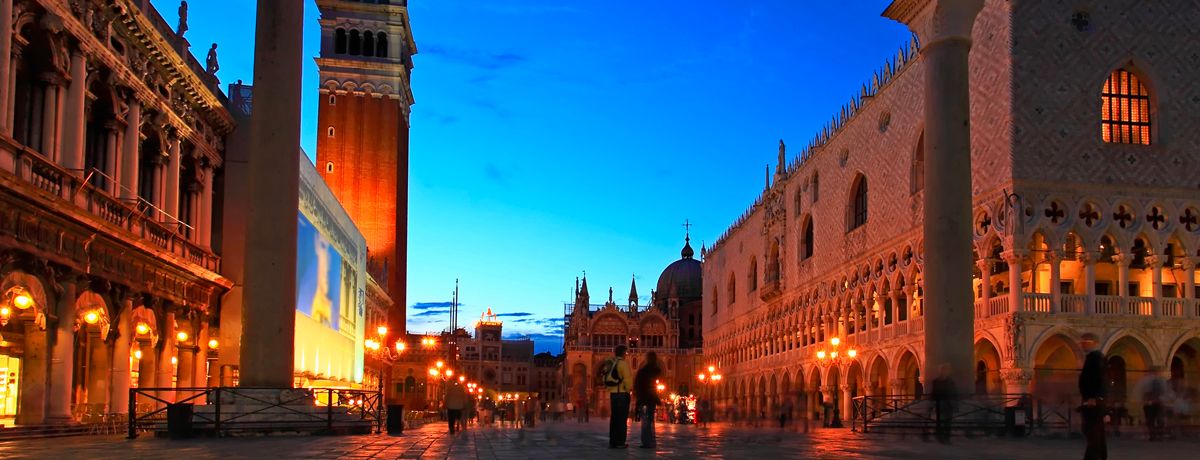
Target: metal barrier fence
(985, 413)
(306, 408)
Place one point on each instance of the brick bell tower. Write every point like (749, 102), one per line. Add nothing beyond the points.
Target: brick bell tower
(362, 129)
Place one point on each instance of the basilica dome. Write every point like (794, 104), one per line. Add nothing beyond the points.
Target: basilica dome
(681, 279)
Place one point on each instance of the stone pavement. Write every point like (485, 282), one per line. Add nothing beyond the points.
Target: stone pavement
(570, 440)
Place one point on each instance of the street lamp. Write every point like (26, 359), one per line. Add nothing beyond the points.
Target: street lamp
(834, 358)
(710, 378)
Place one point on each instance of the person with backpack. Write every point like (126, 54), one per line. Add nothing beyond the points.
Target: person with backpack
(618, 380)
(645, 388)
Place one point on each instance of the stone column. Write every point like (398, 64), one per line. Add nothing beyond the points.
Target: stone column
(62, 356)
(112, 153)
(10, 81)
(1123, 261)
(268, 318)
(156, 184)
(129, 153)
(1013, 259)
(73, 116)
(200, 363)
(1156, 267)
(50, 137)
(1189, 279)
(945, 30)
(6, 38)
(1089, 280)
(206, 203)
(985, 284)
(1054, 260)
(119, 394)
(98, 371)
(171, 204)
(34, 377)
(165, 371)
(910, 302)
(187, 367)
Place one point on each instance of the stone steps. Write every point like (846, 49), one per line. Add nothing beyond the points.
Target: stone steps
(47, 431)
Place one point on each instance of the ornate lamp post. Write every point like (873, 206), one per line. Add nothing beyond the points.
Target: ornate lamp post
(710, 378)
(833, 358)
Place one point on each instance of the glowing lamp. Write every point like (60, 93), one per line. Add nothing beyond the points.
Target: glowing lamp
(22, 301)
(137, 354)
(433, 372)
(440, 364)
(181, 336)
(382, 330)
(701, 377)
(835, 341)
(462, 378)
(143, 328)
(852, 353)
(5, 311)
(174, 360)
(712, 369)
(449, 372)
(400, 346)
(821, 354)
(833, 354)
(91, 317)
(212, 344)
(717, 377)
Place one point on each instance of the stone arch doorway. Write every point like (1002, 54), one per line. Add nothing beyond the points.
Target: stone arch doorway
(1055, 369)
(1128, 362)
(987, 369)
(878, 377)
(1185, 369)
(908, 379)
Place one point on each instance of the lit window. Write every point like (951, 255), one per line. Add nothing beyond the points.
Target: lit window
(1125, 109)
(329, 167)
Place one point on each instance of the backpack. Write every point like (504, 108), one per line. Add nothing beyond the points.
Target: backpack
(609, 375)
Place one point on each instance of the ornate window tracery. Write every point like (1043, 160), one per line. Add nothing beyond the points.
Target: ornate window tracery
(1125, 109)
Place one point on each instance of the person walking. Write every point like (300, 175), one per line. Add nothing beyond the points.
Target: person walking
(1093, 389)
(646, 392)
(455, 402)
(1155, 393)
(944, 395)
(618, 380)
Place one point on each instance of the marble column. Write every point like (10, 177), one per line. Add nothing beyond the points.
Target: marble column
(200, 363)
(165, 371)
(1123, 261)
(10, 81)
(1054, 260)
(944, 28)
(50, 137)
(985, 284)
(157, 179)
(6, 39)
(1088, 258)
(73, 116)
(99, 360)
(206, 203)
(268, 318)
(111, 158)
(62, 356)
(1015, 301)
(1189, 279)
(34, 376)
(171, 203)
(119, 389)
(186, 353)
(129, 152)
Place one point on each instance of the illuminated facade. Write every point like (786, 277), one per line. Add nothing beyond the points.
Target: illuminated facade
(670, 327)
(1085, 219)
(111, 140)
(363, 123)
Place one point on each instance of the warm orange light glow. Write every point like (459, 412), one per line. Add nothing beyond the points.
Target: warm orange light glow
(449, 372)
(212, 344)
(440, 364)
(717, 377)
(22, 301)
(382, 330)
(833, 355)
(852, 353)
(181, 336)
(433, 372)
(5, 311)
(462, 379)
(712, 369)
(821, 354)
(91, 317)
(174, 360)
(143, 328)
(137, 354)
(401, 346)
(701, 377)
(835, 341)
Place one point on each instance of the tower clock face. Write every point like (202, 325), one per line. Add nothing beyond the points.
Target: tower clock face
(489, 336)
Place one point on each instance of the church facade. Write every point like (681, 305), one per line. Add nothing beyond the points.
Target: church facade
(1084, 194)
(670, 326)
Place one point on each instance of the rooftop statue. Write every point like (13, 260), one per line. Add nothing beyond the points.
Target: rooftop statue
(183, 16)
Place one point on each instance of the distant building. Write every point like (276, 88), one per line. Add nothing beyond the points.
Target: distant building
(670, 326)
(505, 366)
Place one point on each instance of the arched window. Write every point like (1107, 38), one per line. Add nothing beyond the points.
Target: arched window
(355, 42)
(368, 43)
(731, 290)
(381, 45)
(339, 41)
(329, 167)
(715, 303)
(332, 100)
(816, 187)
(753, 275)
(806, 239)
(799, 199)
(1125, 109)
(858, 204)
(329, 132)
(917, 175)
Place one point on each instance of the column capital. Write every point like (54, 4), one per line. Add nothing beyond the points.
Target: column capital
(1154, 261)
(934, 21)
(1089, 257)
(1013, 256)
(1016, 376)
(985, 264)
(1122, 260)
(1187, 263)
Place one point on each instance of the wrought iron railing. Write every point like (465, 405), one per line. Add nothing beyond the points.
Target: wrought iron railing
(308, 409)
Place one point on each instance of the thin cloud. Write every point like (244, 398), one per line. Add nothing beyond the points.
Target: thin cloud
(432, 313)
(480, 59)
(515, 314)
(431, 305)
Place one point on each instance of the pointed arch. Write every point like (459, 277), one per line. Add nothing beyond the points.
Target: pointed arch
(856, 211)
(1126, 108)
(807, 242)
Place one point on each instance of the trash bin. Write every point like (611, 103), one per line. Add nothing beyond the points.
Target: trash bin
(179, 421)
(1014, 420)
(395, 419)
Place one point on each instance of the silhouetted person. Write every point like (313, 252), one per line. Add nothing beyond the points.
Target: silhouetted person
(456, 401)
(1155, 393)
(944, 395)
(645, 388)
(618, 379)
(1093, 389)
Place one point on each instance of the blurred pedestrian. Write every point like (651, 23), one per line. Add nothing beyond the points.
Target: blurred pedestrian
(455, 401)
(944, 395)
(645, 389)
(1093, 389)
(1156, 393)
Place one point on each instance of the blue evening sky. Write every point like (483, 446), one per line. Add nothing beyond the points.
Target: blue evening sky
(553, 137)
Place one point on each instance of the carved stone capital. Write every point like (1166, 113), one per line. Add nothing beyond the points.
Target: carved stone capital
(1016, 376)
(1014, 256)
